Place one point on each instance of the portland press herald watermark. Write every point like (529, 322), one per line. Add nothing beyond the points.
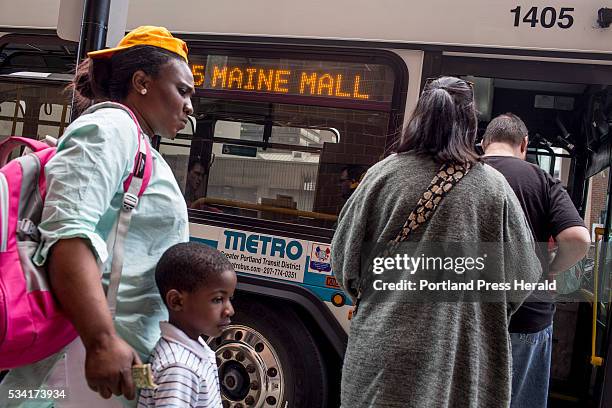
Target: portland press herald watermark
(476, 272)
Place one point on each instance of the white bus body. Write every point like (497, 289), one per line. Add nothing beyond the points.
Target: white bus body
(475, 23)
(547, 60)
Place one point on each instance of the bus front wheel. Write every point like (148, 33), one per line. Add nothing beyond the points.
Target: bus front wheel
(268, 358)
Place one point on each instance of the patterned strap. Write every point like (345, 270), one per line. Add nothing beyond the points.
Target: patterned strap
(443, 182)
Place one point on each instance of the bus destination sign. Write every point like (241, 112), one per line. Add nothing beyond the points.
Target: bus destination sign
(306, 78)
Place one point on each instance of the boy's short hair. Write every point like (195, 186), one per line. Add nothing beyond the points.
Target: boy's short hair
(188, 266)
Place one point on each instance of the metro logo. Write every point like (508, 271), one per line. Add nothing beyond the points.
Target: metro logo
(262, 245)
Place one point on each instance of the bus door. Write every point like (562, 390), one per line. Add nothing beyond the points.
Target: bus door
(280, 141)
(600, 219)
(568, 111)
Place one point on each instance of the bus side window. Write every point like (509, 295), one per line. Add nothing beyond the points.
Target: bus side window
(53, 119)
(279, 174)
(176, 153)
(597, 201)
(11, 117)
(279, 132)
(33, 109)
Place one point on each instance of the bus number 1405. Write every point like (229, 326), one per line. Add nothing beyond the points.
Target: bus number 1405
(549, 17)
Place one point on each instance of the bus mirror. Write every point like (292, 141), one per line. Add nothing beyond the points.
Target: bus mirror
(604, 17)
(192, 122)
(483, 96)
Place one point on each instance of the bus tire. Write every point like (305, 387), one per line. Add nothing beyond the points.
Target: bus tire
(269, 344)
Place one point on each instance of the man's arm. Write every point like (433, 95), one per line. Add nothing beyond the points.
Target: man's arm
(574, 243)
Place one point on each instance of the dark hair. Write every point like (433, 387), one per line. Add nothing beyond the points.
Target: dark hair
(443, 125)
(188, 266)
(192, 164)
(506, 128)
(354, 171)
(103, 79)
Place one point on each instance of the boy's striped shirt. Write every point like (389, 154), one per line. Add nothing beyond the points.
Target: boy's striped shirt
(185, 372)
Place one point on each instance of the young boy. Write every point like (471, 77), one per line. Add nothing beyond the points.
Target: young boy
(196, 283)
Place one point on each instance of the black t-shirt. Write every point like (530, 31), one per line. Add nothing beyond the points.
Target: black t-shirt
(549, 210)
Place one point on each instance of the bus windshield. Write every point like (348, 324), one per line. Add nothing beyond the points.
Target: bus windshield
(275, 137)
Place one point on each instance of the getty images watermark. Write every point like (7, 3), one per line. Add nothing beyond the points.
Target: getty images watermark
(472, 272)
(459, 265)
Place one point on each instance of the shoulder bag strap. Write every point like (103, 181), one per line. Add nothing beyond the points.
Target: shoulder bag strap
(443, 182)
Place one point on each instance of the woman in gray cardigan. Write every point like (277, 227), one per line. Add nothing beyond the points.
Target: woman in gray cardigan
(405, 351)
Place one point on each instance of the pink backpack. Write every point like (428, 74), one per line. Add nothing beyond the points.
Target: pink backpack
(32, 325)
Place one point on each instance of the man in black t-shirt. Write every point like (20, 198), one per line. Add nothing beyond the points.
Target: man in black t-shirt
(550, 213)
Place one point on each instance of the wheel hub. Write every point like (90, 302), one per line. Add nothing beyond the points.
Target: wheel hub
(250, 374)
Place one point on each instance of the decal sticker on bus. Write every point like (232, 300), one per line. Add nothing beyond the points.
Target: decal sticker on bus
(320, 258)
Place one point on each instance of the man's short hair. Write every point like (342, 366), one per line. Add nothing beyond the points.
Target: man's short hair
(188, 266)
(506, 128)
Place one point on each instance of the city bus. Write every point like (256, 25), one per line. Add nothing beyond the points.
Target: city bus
(291, 97)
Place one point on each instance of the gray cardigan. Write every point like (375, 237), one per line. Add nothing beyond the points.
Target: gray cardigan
(429, 354)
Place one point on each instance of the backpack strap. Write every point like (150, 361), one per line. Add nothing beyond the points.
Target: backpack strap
(134, 186)
(443, 182)
(9, 144)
